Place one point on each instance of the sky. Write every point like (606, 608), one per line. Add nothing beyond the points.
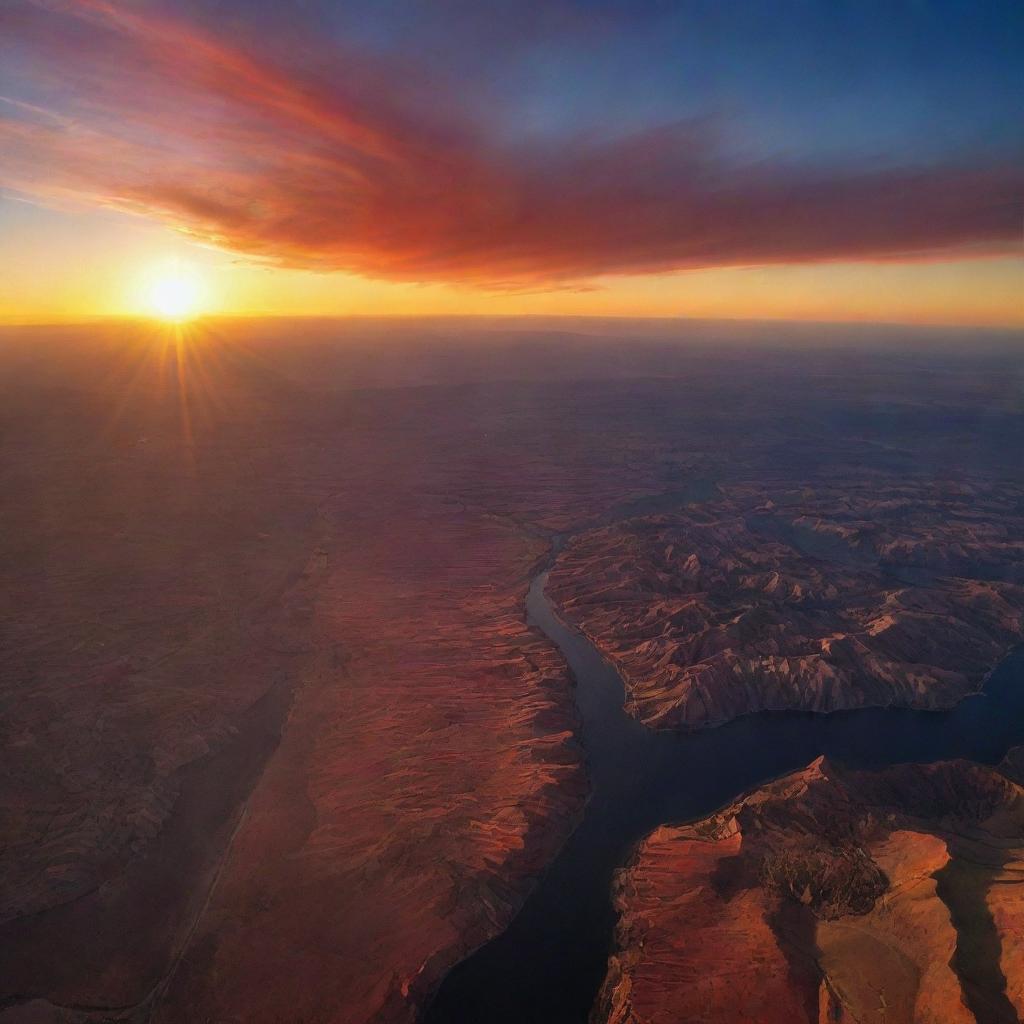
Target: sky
(830, 160)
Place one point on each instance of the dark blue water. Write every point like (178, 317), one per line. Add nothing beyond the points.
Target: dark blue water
(547, 967)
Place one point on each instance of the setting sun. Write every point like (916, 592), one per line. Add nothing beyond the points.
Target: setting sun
(174, 295)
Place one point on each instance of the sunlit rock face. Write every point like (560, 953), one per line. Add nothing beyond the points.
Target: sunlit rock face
(828, 896)
(845, 595)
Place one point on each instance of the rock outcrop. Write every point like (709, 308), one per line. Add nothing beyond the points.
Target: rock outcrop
(814, 600)
(827, 896)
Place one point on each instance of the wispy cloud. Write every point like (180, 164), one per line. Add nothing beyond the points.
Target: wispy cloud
(382, 170)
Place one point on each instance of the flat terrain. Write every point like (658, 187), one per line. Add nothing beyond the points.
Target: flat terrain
(279, 743)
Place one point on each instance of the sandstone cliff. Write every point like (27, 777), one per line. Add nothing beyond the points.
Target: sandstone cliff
(828, 896)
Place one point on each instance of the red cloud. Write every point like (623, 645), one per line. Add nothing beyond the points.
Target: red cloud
(363, 174)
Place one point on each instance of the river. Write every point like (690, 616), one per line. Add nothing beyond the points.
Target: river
(547, 966)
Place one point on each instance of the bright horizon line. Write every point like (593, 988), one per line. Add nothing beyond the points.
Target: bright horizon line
(85, 319)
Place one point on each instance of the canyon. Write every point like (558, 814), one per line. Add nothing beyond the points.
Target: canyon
(280, 742)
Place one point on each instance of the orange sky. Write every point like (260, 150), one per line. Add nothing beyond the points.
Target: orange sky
(323, 164)
(72, 264)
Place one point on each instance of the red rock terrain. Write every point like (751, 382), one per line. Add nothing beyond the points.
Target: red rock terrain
(827, 896)
(278, 744)
(813, 599)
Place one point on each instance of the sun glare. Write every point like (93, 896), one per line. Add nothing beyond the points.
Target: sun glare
(174, 295)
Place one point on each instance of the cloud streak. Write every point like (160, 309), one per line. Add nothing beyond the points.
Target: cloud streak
(383, 170)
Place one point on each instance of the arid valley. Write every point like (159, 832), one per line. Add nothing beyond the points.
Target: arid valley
(289, 730)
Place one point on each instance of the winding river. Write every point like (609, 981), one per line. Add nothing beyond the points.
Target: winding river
(547, 966)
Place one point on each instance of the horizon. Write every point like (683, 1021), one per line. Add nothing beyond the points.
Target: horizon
(84, 320)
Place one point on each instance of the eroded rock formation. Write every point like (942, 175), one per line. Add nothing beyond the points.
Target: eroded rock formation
(821, 599)
(828, 896)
